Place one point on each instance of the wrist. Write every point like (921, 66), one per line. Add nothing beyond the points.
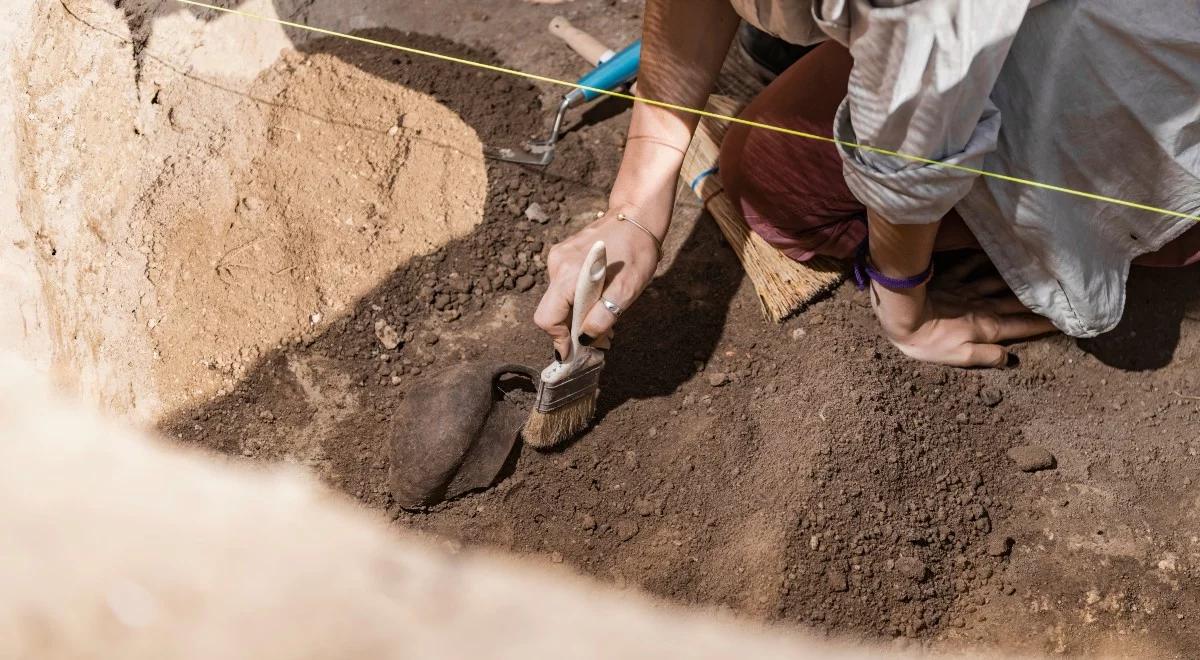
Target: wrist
(900, 312)
(866, 272)
(899, 252)
(647, 213)
(632, 223)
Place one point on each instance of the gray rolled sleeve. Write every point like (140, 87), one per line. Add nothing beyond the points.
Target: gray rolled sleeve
(920, 85)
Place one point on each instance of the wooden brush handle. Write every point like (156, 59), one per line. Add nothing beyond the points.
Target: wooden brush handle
(588, 47)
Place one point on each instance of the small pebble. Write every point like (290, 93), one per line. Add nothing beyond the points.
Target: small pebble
(537, 214)
(913, 568)
(1032, 458)
(387, 335)
(837, 581)
(718, 378)
(999, 546)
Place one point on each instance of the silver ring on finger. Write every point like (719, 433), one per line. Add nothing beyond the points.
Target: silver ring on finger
(612, 307)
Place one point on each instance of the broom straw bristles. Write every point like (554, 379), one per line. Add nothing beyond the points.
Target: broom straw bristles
(784, 286)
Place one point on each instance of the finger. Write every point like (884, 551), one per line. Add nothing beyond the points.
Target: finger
(959, 271)
(978, 355)
(599, 319)
(987, 286)
(553, 316)
(1022, 326)
(604, 342)
(1005, 305)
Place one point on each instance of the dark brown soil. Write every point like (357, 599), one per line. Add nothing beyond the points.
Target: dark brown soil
(826, 481)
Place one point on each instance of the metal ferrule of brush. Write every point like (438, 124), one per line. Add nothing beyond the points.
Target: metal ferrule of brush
(580, 382)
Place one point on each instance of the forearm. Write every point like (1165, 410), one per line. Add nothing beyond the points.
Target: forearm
(900, 250)
(684, 43)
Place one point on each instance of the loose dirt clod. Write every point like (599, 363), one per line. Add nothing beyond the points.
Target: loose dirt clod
(1032, 458)
(999, 546)
(913, 568)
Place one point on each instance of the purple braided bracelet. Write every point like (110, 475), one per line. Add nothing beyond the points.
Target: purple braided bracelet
(864, 272)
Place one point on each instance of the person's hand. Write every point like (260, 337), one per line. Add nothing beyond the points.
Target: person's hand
(632, 260)
(955, 320)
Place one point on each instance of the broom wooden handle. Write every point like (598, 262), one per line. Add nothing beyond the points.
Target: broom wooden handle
(588, 47)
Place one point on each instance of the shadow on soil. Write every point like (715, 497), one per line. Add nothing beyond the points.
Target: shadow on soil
(655, 352)
(1157, 302)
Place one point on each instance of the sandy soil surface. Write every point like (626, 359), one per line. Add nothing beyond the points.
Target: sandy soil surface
(803, 473)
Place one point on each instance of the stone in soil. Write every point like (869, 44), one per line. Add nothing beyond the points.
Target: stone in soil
(536, 213)
(387, 335)
(837, 581)
(1032, 458)
(999, 546)
(912, 568)
(717, 379)
(991, 396)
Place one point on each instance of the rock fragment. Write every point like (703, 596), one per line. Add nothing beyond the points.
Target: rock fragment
(913, 568)
(537, 214)
(386, 334)
(837, 581)
(999, 546)
(1032, 458)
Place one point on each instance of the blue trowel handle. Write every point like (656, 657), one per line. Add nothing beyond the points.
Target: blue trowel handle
(612, 73)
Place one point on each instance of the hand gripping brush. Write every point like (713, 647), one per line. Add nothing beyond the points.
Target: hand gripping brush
(608, 75)
(567, 389)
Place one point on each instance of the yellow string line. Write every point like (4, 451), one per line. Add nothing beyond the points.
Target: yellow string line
(702, 113)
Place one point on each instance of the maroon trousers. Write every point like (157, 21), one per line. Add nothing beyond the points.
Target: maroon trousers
(791, 189)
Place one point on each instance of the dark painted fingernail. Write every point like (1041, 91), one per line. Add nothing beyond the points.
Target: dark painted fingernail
(1012, 361)
(557, 356)
(586, 339)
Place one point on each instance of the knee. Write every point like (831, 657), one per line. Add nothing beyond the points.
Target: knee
(746, 159)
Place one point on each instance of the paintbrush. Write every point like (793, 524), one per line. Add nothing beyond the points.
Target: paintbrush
(567, 389)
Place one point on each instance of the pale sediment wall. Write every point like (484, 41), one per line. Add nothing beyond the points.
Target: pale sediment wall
(157, 238)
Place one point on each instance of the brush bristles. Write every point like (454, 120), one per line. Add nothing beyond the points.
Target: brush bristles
(545, 430)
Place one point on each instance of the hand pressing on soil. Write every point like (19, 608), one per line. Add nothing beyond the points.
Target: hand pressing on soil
(959, 323)
(956, 320)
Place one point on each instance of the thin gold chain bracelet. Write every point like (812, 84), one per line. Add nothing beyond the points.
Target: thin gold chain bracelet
(621, 217)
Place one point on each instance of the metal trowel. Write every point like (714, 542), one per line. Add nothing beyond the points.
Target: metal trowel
(618, 70)
(456, 431)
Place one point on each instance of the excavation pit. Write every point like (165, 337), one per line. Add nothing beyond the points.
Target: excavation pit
(261, 254)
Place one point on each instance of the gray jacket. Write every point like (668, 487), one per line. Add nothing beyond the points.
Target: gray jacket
(1101, 96)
